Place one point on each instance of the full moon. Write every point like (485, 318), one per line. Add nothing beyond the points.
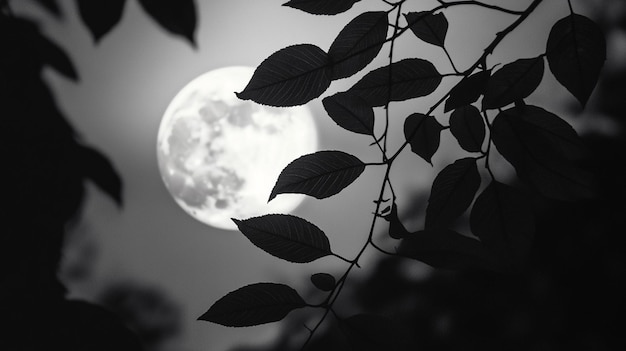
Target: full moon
(219, 156)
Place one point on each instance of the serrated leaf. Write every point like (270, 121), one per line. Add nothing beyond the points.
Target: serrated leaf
(423, 134)
(576, 51)
(396, 228)
(320, 174)
(409, 78)
(468, 90)
(374, 332)
(538, 151)
(285, 236)
(321, 7)
(291, 76)
(350, 112)
(452, 192)
(502, 219)
(254, 304)
(176, 16)
(467, 126)
(99, 169)
(323, 281)
(429, 27)
(358, 43)
(100, 16)
(445, 248)
(513, 82)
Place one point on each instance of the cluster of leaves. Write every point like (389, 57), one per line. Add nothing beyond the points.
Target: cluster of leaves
(485, 109)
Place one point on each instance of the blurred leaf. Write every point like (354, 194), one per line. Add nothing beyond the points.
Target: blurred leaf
(51, 6)
(396, 228)
(321, 174)
(287, 237)
(358, 43)
(100, 16)
(54, 56)
(291, 76)
(176, 16)
(423, 134)
(350, 112)
(323, 281)
(254, 304)
(374, 332)
(503, 221)
(321, 7)
(428, 27)
(468, 90)
(536, 144)
(467, 126)
(445, 248)
(452, 192)
(99, 169)
(513, 82)
(410, 78)
(576, 51)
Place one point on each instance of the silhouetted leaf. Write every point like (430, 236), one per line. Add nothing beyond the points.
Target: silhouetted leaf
(429, 27)
(321, 174)
(576, 51)
(467, 126)
(287, 237)
(254, 304)
(452, 192)
(468, 90)
(374, 332)
(410, 78)
(291, 76)
(536, 144)
(503, 221)
(323, 281)
(358, 43)
(396, 228)
(350, 112)
(513, 82)
(99, 169)
(445, 248)
(176, 16)
(423, 134)
(100, 16)
(322, 7)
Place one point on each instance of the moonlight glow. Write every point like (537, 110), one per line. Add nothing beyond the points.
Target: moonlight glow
(219, 156)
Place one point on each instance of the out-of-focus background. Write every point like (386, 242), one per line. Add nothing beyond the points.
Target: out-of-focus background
(161, 268)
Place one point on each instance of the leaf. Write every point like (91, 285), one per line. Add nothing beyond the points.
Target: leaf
(467, 126)
(576, 51)
(254, 304)
(54, 56)
(468, 90)
(323, 281)
(538, 149)
(176, 16)
(99, 16)
(321, 7)
(396, 228)
(320, 174)
(445, 248)
(409, 78)
(452, 192)
(99, 169)
(358, 43)
(513, 82)
(291, 76)
(423, 134)
(374, 332)
(350, 112)
(429, 27)
(502, 219)
(285, 236)
(51, 6)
